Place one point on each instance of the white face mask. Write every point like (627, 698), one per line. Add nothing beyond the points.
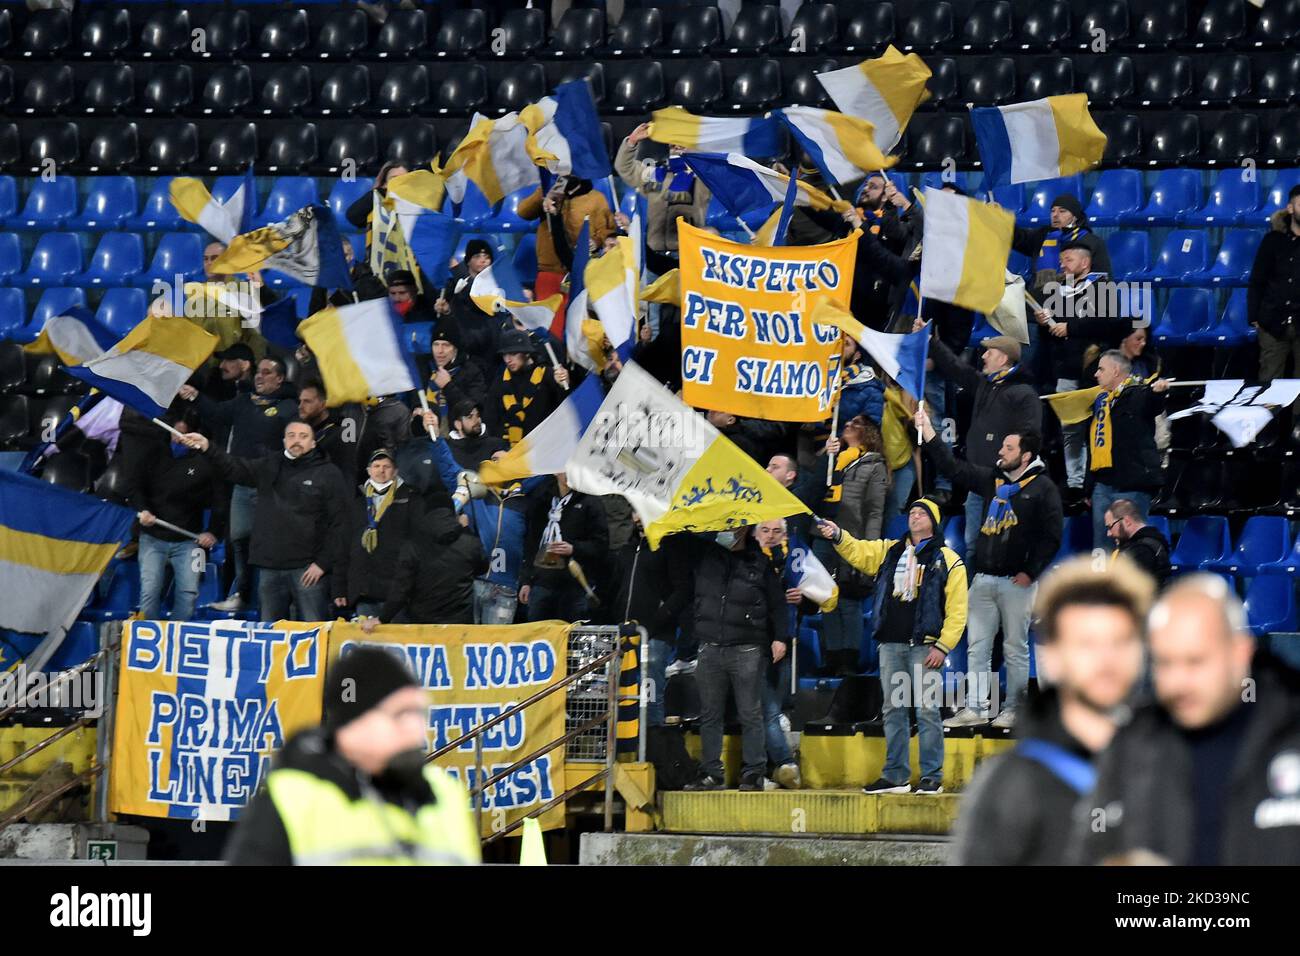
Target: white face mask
(726, 538)
(380, 487)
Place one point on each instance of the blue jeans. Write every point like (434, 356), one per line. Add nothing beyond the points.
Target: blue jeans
(936, 393)
(494, 603)
(656, 687)
(1102, 496)
(568, 602)
(775, 689)
(899, 495)
(992, 602)
(974, 518)
(280, 589)
(1075, 439)
(903, 680)
(243, 505)
(155, 557)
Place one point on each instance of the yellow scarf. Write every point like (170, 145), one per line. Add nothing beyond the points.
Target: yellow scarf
(1103, 432)
(374, 512)
(846, 457)
(516, 406)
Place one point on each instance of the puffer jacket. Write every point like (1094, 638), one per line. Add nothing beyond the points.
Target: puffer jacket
(1273, 294)
(737, 597)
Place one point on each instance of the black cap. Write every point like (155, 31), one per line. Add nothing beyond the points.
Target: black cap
(1071, 205)
(238, 351)
(443, 335)
(401, 277)
(462, 408)
(379, 453)
(475, 246)
(515, 340)
(1076, 244)
(360, 681)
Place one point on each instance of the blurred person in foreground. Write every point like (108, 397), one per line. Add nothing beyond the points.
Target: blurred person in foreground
(1018, 810)
(356, 790)
(1209, 775)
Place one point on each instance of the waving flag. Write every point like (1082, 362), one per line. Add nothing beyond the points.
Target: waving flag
(804, 571)
(885, 91)
(222, 220)
(306, 246)
(97, 417)
(575, 340)
(612, 288)
(677, 471)
(967, 244)
(666, 290)
(901, 357)
(1242, 411)
(497, 155)
(75, 337)
(546, 449)
(279, 324)
(743, 185)
(534, 316)
(1075, 406)
(1041, 139)
(360, 352)
(566, 128)
(750, 136)
(147, 368)
(843, 147)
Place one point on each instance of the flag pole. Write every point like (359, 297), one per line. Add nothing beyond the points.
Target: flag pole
(749, 232)
(920, 401)
(555, 363)
(171, 527)
(162, 424)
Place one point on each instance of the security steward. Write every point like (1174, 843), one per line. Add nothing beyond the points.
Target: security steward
(356, 790)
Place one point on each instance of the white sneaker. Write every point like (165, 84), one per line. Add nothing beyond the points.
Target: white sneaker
(234, 603)
(788, 776)
(965, 718)
(769, 784)
(679, 667)
(1005, 720)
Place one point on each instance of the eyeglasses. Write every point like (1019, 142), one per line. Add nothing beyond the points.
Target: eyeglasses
(1111, 527)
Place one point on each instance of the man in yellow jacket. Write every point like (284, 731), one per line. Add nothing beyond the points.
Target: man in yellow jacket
(356, 791)
(919, 616)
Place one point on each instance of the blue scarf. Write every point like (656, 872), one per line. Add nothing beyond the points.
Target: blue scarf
(683, 180)
(1001, 516)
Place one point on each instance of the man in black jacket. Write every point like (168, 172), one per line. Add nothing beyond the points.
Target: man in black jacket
(1137, 540)
(1019, 809)
(1273, 295)
(433, 582)
(336, 430)
(1210, 775)
(740, 620)
(469, 441)
(384, 517)
(452, 380)
(1123, 460)
(298, 527)
(524, 393)
(568, 534)
(1018, 538)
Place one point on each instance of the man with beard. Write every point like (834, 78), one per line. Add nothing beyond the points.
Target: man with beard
(1144, 545)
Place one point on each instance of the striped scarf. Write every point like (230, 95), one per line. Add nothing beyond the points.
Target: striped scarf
(1102, 437)
(434, 395)
(519, 393)
(908, 573)
(998, 376)
(1001, 515)
(846, 457)
(377, 502)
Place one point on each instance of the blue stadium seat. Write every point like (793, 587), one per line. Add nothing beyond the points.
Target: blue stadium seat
(1270, 605)
(419, 337)
(1265, 539)
(177, 253)
(158, 214)
(1288, 564)
(954, 534)
(1232, 327)
(49, 204)
(55, 260)
(117, 260)
(507, 219)
(1182, 260)
(1176, 193)
(13, 314)
(301, 301)
(1130, 254)
(896, 527)
(525, 257)
(226, 186)
(1204, 541)
(8, 199)
(1233, 200)
(281, 282)
(1118, 193)
(111, 200)
(11, 256)
(1011, 198)
(1076, 537)
(287, 196)
(81, 642)
(1038, 210)
(117, 596)
(1161, 524)
(1277, 193)
(1236, 257)
(1188, 311)
(343, 194)
(474, 205)
(54, 302)
(121, 310)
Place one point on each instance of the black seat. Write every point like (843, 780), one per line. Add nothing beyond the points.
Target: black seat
(67, 469)
(934, 138)
(1278, 24)
(1157, 24)
(13, 367)
(696, 31)
(346, 89)
(53, 141)
(1099, 23)
(1284, 140)
(404, 90)
(867, 29)
(756, 86)
(757, 28)
(287, 90)
(116, 483)
(1226, 78)
(49, 90)
(1123, 137)
(169, 91)
(109, 89)
(227, 34)
(13, 419)
(579, 33)
(6, 86)
(929, 27)
(1106, 79)
(48, 33)
(6, 30)
(232, 147)
(1048, 76)
(1222, 23)
(1230, 137)
(285, 35)
(1277, 77)
(1171, 138)
(521, 84)
(804, 89)
(106, 32)
(173, 146)
(523, 32)
(593, 73)
(813, 28)
(462, 34)
(1046, 26)
(463, 92)
(342, 34)
(228, 91)
(944, 83)
(987, 26)
(1164, 80)
(404, 32)
(11, 151)
(165, 34)
(990, 81)
(639, 32)
(114, 148)
(638, 87)
(355, 145)
(293, 147)
(414, 144)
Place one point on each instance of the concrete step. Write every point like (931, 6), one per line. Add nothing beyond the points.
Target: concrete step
(672, 849)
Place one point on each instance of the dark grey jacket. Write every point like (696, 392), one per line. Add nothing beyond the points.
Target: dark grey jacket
(1002, 408)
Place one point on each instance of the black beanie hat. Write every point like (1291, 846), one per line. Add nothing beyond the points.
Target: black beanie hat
(1071, 205)
(475, 246)
(359, 681)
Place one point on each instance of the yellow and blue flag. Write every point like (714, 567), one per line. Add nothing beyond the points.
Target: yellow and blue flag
(546, 449)
(1041, 139)
(566, 129)
(407, 230)
(221, 220)
(75, 337)
(750, 136)
(967, 244)
(147, 368)
(843, 147)
(885, 91)
(306, 246)
(803, 570)
(900, 356)
(361, 351)
(612, 287)
(54, 545)
(499, 156)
